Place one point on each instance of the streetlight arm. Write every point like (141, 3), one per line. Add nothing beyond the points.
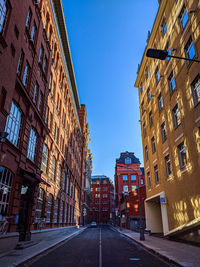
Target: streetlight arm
(163, 54)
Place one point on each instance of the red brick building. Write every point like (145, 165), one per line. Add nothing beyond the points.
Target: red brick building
(128, 175)
(102, 206)
(24, 76)
(43, 159)
(130, 208)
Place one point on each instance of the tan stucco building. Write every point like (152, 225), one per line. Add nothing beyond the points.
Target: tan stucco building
(169, 98)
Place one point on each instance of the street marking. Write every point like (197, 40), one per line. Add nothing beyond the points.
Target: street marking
(100, 250)
(134, 259)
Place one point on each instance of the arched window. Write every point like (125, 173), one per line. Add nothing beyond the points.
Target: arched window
(40, 201)
(59, 175)
(45, 154)
(56, 205)
(5, 189)
(53, 168)
(49, 208)
(127, 160)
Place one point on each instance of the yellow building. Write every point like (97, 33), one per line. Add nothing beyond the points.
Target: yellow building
(169, 98)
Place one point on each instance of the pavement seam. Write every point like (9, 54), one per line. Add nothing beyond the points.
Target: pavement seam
(167, 259)
(20, 264)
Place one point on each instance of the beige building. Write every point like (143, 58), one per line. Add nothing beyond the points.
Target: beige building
(169, 99)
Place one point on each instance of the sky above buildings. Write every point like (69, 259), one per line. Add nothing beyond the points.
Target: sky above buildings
(107, 40)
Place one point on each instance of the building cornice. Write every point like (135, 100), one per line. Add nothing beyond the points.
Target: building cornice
(58, 8)
(155, 28)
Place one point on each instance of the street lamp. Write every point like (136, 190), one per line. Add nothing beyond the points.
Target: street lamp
(142, 237)
(163, 54)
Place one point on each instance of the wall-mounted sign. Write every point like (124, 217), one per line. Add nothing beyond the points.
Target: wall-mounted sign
(162, 200)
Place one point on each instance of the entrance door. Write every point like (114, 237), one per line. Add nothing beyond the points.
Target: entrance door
(25, 211)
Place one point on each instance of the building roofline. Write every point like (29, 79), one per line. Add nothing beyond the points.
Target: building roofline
(155, 26)
(58, 7)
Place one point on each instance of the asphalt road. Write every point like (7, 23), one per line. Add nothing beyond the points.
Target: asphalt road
(98, 247)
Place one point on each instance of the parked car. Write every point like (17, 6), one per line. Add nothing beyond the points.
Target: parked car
(93, 224)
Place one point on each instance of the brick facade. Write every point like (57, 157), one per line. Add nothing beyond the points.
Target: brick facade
(102, 199)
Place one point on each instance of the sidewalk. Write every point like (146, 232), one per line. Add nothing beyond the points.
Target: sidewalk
(41, 241)
(176, 253)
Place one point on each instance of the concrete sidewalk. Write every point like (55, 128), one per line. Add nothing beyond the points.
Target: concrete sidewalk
(177, 253)
(41, 241)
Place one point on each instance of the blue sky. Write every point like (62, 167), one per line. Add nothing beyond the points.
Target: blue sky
(107, 40)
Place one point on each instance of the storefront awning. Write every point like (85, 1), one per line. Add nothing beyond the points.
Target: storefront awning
(33, 177)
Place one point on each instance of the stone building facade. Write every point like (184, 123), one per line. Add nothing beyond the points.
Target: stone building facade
(169, 97)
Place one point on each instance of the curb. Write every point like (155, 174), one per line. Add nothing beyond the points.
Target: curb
(152, 251)
(42, 251)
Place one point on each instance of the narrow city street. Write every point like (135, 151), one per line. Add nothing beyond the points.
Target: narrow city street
(101, 246)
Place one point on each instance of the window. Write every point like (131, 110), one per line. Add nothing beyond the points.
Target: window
(49, 208)
(61, 211)
(182, 155)
(56, 204)
(157, 75)
(133, 177)
(50, 120)
(127, 160)
(148, 95)
(41, 54)
(45, 64)
(189, 50)
(147, 73)
(143, 110)
(53, 168)
(35, 93)
(176, 116)
(13, 124)
(39, 205)
(149, 180)
(3, 13)
(5, 189)
(153, 145)
(67, 185)
(163, 132)
(146, 153)
(133, 187)
(168, 165)
(63, 181)
(150, 118)
(104, 195)
(20, 63)
(40, 101)
(28, 19)
(144, 130)
(171, 83)
(160, 102)
(141, 88)
(183, 17)
(142, 181)
(167, 48)
(195, 87)
(105, 189)
(125, 188)
(33, 30)
(26, 74)
(45, 154)
(156, 174)
(164, 27)
(125, 177)
(32, 145)
(97, 189)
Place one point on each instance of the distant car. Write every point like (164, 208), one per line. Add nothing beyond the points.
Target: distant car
(93, 224)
